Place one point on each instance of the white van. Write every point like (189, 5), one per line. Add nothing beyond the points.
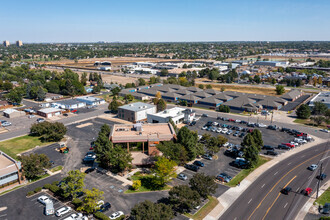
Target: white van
(49, 208)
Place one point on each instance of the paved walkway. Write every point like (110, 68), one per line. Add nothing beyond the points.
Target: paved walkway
(230, 196)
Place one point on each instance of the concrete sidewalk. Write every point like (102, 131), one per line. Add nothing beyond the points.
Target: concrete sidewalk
(230, 196)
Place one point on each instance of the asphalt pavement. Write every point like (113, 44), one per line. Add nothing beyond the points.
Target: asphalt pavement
(263, 199)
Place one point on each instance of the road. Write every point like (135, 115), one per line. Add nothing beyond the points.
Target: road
(263, 200)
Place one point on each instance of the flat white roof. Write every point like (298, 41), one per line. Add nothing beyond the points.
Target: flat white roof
(9, 111)
(89, 98)
(137, 106)
(49, 110)
(169, 112)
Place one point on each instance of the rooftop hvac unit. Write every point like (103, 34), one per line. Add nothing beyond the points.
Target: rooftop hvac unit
(138, 127)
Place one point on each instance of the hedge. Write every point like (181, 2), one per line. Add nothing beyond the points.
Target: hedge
(77, 202)
(55, 183)
(55, 189)
(47, 186)
(38, 189)
(101, 216)
(30, 193)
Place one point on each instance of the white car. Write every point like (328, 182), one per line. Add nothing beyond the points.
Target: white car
(100, 203)
(325, 130)
(215, 123)
(204, 127)
(224, 131)
(294, 143)
(63, 211)
(5, 124)
(219, 130)
(300, 141)
(200, 137)
(261, 125)
(116, 215)
(238, 121)
(226, 144)
(77, 216)
(44, 199)
(31, 116)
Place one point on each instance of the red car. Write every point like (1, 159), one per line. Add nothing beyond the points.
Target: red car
(74, 110)
(300, 134)
(250, 130)
(231, 120)
(288, 144)
(307, 191)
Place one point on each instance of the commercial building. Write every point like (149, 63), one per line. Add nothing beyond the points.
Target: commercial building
(52, 96)
(137, 111)
(12, 113)
(9, 170)
(19, 43)
(90, 100)
(176, 114)
(68, 104)
(292, 95)
(323, 97)
(271, 63)
(147, 134)
(49, 112)
(6, 43)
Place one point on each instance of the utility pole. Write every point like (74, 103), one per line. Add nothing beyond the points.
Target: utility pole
(318, 182)
(271, 120)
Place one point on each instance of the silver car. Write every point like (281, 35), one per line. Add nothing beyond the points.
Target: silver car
(182, 176)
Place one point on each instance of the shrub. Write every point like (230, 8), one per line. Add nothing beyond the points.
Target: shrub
(101, 216)
(30, 193)
(77, 202)
(55, 183)
(47, 186)
(138, 173)
(38, 189)
(55, 189)
(136, 184)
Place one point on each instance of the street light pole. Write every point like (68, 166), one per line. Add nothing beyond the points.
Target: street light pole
(318, 182)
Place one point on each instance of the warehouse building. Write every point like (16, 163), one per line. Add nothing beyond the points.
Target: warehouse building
(12, 113)
(137, 111)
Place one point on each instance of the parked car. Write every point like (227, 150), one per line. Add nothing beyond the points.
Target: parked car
(325, 130)
(39, 120)
(89, 170)
(198, 163)
(325, 209)
(5, 124)
(65, 114)
(204, 115)
(242, 135)
(229, 132)
(219, 130)
(215, 123)
(62, 211)
(204, 127)
(286, 190)
(226, 175)
(207, 157)
(31, 116)
(192, 167)
(105, 207)
(223, 179)
(294, 143)
(284, 147)
(312, 167)
(182, 176)
(261, 125)
(322, 176)
(271, 152)
(224, 131)
(231, 120)
(289, 145)
(44, 199)
(267, 147)
(236, 133)
(243, 122)
(116, 215)
(226, 144)
(238, 121)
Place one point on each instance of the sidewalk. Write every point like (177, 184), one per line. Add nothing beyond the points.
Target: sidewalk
(230, 196)
(308, 207)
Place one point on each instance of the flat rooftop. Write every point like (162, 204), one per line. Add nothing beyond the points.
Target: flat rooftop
(7, 164)
(170, 112)
(137, 106)
(122, 133)
(49, 110)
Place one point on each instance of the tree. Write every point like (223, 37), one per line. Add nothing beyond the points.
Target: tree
(48, 131)
(183, 198)
(7, 86)
(142, 82)
(222, 140)
(161, 105)
(257, 136)
(136, 184)
(52, 87)
(149, 210)
(318, 120)
(164, 72)
(41, 94)
(164, 170)
(92, 197)
(14, 96)
(117, 159)
(189, 140)
(201, 86)
(279, 89)
(115, 91)
(96, 89)
(213, 145)
(206, 138)
(129, 97)
(113, 106)
(73, 183)
(203, 184)
(83, 78)
(319, 108)
(208, 86)
(251, 154)
(173, 151)
(248, 140)
(273, 81)
(33, 165)
(224, 108)
(303, 111)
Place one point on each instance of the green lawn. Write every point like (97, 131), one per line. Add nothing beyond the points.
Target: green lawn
(206, 209)
(56, 169)
(324, 198)
(146, 184)
(18, 145)
(309, 122)
(244, 173)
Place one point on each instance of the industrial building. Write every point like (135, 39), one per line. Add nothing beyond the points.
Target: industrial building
(9, 171)
(137, 111)
(12, 113)
(271, 63)
(176, 114)
(49, 112)
(323, 97)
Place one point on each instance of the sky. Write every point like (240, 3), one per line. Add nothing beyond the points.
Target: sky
(38, 21)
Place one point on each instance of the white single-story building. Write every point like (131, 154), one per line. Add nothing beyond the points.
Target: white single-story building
(176, 114)
(49, 112)
(12, 113)
(68, 104)
(91, 100)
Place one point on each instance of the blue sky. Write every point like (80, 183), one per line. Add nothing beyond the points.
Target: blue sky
(164, 20)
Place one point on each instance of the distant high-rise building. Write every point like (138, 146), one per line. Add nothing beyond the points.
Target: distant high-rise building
(6, 43)
(19, 43)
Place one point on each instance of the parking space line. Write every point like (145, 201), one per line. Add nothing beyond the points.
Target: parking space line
(262, 186)
(276, 173)
(249, 201)
(285, 205)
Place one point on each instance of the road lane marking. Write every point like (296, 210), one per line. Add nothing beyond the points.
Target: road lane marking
(277, 197)
(302, 156)
(282, 178)
(285, 205)
(325, 158)
(262, 186)
(275, 173)
(289, 163)
(298, 189)
(249, 201)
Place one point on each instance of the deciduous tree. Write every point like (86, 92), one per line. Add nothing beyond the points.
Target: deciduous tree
(183, 198)
(149, 210)
(164, 170)
(203, 184)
